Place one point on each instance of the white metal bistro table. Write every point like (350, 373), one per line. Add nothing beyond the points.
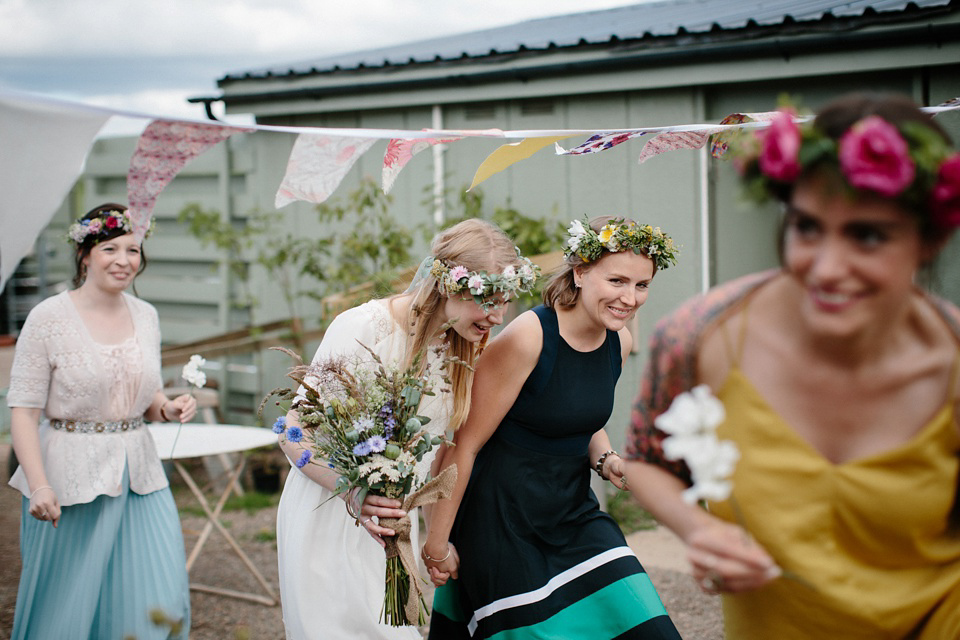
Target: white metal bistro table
(197, 440)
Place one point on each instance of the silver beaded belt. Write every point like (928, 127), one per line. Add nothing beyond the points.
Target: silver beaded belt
(79, 426)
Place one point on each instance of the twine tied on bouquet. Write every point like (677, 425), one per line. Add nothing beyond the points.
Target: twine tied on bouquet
(400, 545)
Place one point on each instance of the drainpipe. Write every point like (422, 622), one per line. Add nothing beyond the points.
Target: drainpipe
(438, 167)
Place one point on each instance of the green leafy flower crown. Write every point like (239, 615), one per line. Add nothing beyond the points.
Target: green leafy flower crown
(106, 222)
(618, 235)
(510, 282)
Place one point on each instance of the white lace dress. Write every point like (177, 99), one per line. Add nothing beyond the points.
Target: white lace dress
(331, 571)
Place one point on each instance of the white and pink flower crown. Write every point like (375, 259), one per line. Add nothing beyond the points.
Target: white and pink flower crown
(104, 223)
(911, 163)
(511, 282)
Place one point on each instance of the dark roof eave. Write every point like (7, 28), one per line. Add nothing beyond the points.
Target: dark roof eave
(664, 56)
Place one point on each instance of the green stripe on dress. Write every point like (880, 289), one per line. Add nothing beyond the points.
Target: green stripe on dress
(446, 600)
(613, 610)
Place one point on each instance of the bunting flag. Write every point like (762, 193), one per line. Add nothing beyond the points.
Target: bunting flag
(317, 165)
(600, 142)
(45, 145)
(673, 140)
(400, 152)
(164, 148)
(721, 141)
(509, 154)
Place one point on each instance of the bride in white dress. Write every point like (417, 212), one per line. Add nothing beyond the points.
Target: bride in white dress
(331, 569)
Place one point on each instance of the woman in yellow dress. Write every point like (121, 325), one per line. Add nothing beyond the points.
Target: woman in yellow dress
(839, 377)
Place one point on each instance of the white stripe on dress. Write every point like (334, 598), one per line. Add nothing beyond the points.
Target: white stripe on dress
(557, 581)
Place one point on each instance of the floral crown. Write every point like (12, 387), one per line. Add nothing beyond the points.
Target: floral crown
(618, 235)
(511, 282)
(105, 222)
(910, 163)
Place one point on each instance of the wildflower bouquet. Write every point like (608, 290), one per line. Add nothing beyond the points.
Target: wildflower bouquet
(360, 419)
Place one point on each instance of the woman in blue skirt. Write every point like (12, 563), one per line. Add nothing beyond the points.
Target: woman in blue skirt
(532, 554)
(100, 539)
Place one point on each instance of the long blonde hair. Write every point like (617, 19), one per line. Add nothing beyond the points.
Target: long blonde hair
(479, 246)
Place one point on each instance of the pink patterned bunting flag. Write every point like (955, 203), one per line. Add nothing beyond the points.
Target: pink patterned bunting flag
(721, 141)
(600, 142)
(317, 165)
(673, 140)
(164, 148)
(400, 151)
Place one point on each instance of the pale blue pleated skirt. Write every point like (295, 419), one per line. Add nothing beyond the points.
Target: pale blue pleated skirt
(103, 570)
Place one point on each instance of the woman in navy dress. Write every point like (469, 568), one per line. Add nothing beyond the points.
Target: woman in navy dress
(531, 553)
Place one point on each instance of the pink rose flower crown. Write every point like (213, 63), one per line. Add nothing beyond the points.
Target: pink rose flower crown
(103, 224)
(911, 163)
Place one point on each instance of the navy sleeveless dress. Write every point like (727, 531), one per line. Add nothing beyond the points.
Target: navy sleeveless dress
(538, 558)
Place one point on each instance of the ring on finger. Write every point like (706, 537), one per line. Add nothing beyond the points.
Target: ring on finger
(712, 582)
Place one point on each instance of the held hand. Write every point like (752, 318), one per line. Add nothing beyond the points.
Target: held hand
(727, 558)
(44, 505)
(615, 470)
(442, 566)
(379, 507)
(181, 409)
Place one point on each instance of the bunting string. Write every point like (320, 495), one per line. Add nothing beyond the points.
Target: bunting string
(57, 135)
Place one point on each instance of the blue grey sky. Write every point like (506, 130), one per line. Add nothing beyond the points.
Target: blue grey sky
(151, 56)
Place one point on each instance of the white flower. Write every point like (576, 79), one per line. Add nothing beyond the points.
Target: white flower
(526, 273)
(576, 230)
(509, 272)
(691, 412)
(476, 284)
(192, 373)
(692, 421)
(363, 423)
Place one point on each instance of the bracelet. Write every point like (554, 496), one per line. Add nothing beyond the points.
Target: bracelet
(46, 486)
(163, 416)
(426, 556)
(603, 456)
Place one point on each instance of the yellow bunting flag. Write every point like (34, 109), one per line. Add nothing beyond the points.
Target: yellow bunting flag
(510, 154)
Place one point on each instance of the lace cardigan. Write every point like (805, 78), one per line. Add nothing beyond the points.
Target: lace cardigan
(58, 367)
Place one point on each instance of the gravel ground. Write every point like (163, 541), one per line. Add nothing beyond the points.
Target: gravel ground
(221, 618)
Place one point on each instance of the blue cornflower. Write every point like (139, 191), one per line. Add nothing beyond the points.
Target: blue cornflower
(361, 448)
(303, 459)
(294, 434)
(280, 425)
(377, 443)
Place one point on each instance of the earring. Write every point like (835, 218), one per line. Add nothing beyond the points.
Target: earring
(576, 284)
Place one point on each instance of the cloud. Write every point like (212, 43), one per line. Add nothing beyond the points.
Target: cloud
(152, 56)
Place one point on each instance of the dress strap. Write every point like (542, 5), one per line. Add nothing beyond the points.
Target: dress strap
(735, 352)
(540, 375)
(954, 373)
(616, 358)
